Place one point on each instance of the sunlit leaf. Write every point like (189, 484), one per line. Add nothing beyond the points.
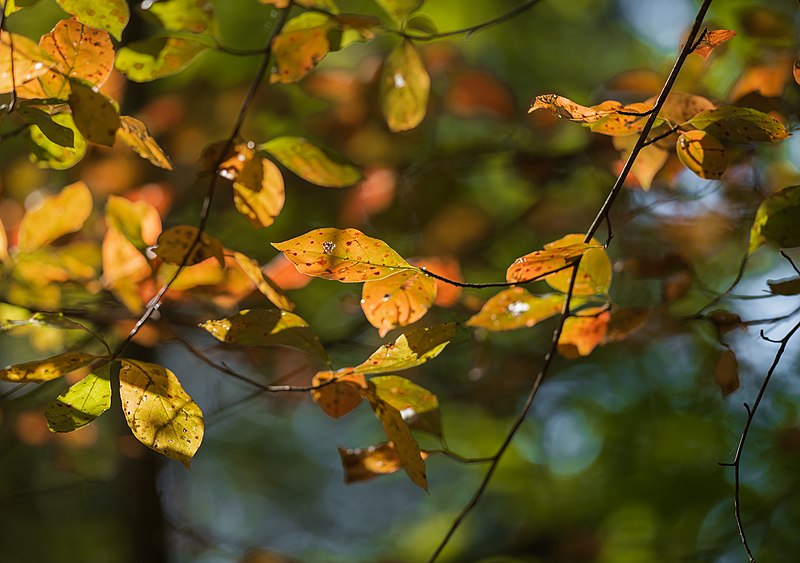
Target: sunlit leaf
(566, 108)
(56, 216)
(150, 59)
(418, 406)
(583, 333)
(739, 125)
(258, 192)
(340, 397)
(45, 370)
(262, 282)
(702, 153)
(266, 327)
(55, 132)
(363, 464)
(539, 263)
(160, 413)
(777, 219)
(785, 286)
(399, 300)
(302, 43)
(96, 117)
(29, 61)
(4, 256)
(111, 15)
(404, 88)
(55, 155)
(183, 15)
(174, 245)
(81, 403)
(312, 163)
(594, 272)
(712, 39)
(411, 349)
(138, 221)
(345, 255)
(624, 121)
(767, 78)
(515, 308)
(405, 445)
(400, 9)
(134, 133)
(726, 372)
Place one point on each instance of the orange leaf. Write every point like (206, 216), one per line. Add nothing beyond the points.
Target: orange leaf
(343, 395)
(399, 300)
(566, 108)
(712, 39)
(29, 62)
(583, 333)
(300, 46)
(702, 153)
(363, 464)
(541, 262)
(447, 294)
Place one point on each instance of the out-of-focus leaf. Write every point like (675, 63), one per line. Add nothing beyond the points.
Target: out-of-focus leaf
(174, 244)
(767, 78)
(626, 321)
(726, 372)
(702, 153)
(81, 403)
(340, 397)
(739, 125)
(123, 268)
(399, 300)
(712, 39)
(54, 155)
(56, 216)
(138, 221)
(785, 286)
(648, 162)
(262, 282)
(539, 263)
(475, 93)
(447, 294)
(411, 349)
(134, 133)
(796, 70)
(55, 132)
(405, 445)
(40, 371)
(418, 406)
(183, 15)
(321, 4)
(30, 61)
(515, 308)
(150, 59)
(258, 192)
(4, 256)
(302, 43)
(159, 412)
(583, 333)
(110, 15)
(680, 106)
(347, 255)
(312, 163)
(404, 88)
(399, 10)
(96, 118)
(363, 464)
(594, 272)
(777, 219)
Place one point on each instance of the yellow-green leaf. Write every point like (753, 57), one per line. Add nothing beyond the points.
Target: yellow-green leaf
(740, 125)
(174, 246)
(134, 133)
(342, 395)
(53, 155)
(183, 15)
(404, 88)
(30, 61)
(159, 412)
(258, 192)
(262, 282)
(111, 15)
(400, 9)
(56, 216)
(95, 116)
(411, 349)
(516, 308)
(81, 403)
(345, 255)
(312, 163)
(150, 59)
(55, 132)
(418, 406)
(594, 272)
(777, 219)
(399, 300)
(539, 263)
(626, 120)
(300, 46)
(46, 370)
(702, 153)
(139, 221)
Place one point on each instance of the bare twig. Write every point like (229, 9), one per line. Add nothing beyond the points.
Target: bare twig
(477, 27)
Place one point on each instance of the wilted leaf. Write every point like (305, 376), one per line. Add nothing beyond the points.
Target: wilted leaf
(785, 286)
(399, 300)
(777, 219)
(312, 163)
(537, 264)
(150, 59)
(411, 349)
(726, 372)
(515, 308)
(174, 244)
(418, 406)
(739, 125)
(30, 61)
(566, 108)
(404, 88)
(262, 282)
(134, 133)
(183, 15)
(340, 397)
(258, 192)
(300, 46)
(363, 464)
(702, 153)
(594, 272)
(54, 155)
(96, 117)
(345, 255)
(46, 370)
(399, 10)
(111, 15)
(56, 216)
(138, 221)
(583, 333)
(712, 39)
(81, 403)
(160, 413)
(404, 443)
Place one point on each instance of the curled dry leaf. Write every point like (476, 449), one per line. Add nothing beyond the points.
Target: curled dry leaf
(566, 108)
(342, 395)
(40, 371)
(404, 88)
(702, 153)
(516, 308)
(174, 246)
(399, 300)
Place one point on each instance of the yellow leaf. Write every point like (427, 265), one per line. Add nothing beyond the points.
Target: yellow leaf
(404, 88)
(46, 370)
(539, 263)
(312, 163)
(625, 120)
(340, 397)
(399, 300)
(594, 272)
(56, 216)
(139, 221)
(516, 308)
(111, 15)
(566, 108)
(411, 349)
(258, 192)
(262, 282)
(174, 246)
(134, 133)
(160, 413)
(29, 62)
(702, 153)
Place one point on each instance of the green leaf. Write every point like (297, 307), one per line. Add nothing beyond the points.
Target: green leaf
(411, 349)
(160, 413)
(312, 163)
(81, 403)
(347, 256)
(53, 131)
(150, 59)
(55, 217)
(734, 124)
(404, 88)
(516, 308)
(134, 133)
(777, 219)
(418, 406)
(95, 116)
(174, 244)
(40, 371)
(399, 10)
(702, 153)
(111, 15)
(54, 155)
(183, 15)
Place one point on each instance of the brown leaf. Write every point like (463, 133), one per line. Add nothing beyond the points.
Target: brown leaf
(726, 372)
(712, 39)
(174, 244)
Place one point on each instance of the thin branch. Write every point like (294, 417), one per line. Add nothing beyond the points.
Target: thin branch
(789, 259)
(494, 284)
(663, 135)
(459, 458)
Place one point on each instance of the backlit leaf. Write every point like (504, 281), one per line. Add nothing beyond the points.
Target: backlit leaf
(363, 464)
(138, 221)
(680, 106)
(183, 15)
(726, 372)
(258, 192)
(515, 308)
(447, 295)
(712, 39)
(111, 15)
(340, 397)
(160, 413)
(566, 108)
(262, 282)
(54, 155)
(312, 163)
(418, 406)
(404, 88)
(411, 349)
(174, 245)
(45, 370)
(123, 268)
(134, 133)
(594, 272)
(56, 216)
(54, 131)
(702, 153)
(740, 125)
(81, 403)
(300, 46)
(537, 264)
(399, 300)
(796, 70)
(777, 219)
(624, 121)
(96, 117)
(583, 333)
(30, 61)
(345, 255)
(150, 59)
(400, 9)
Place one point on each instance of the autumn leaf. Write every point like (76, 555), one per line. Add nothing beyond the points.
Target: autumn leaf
(158, 57)
(411, 349)
(174, 245)
(340, 397)
(648, 162)
(110, 15)
(263, 283)
(312, 163)
(302, 43)
(777, 219)
(594, 272)
(95, 116)
(418, 406)
(363, 464)
(347, 255)
(739, 125)
(194, 16)
(542, 262)
(516, 308)
(399, 300)
(54, 155)
(404, 88)
(29, 61)
(702, 153)
(81, 403)
(680, 107)
(51, 129)
(566, 108)
(583, 332)
(258, 192)
(712, 39)
(134, 133)
(399, 10)
(123, 268)
(726, 372)
(625, 120)
(447, 294)
(161, 415)
(40, 371)
(55, 217)
(138, 221)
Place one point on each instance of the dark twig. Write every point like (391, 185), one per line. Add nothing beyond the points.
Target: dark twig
(789, 259)
(663, 135)
(494, 284)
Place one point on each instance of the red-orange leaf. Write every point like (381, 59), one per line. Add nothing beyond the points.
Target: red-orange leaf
(583, 333)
